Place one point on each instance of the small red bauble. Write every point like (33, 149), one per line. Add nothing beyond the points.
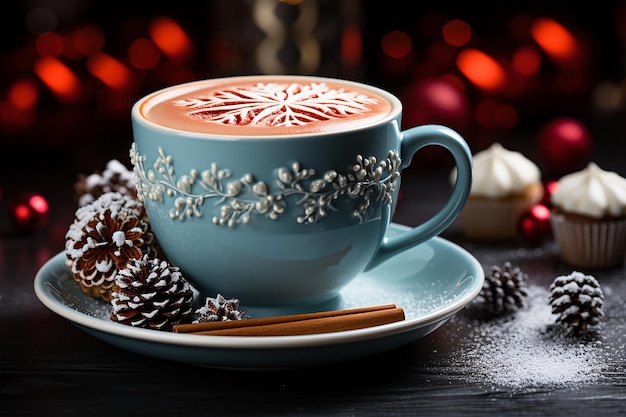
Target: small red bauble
(549, 189)
(436, 101)
(534, 225)
(28, 212)
(564, 145)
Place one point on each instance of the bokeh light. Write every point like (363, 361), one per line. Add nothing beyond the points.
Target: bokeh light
(170, 38)
(481, 69)
(351, 45)
(526, 60)
(49, 44)
(59, 78)
(23, 94)
(87, 39)
(143, 54)
(109, 70)
(396, 44)
(558, 42)
(457, 32)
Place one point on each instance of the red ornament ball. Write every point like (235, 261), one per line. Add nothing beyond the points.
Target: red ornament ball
(28, 212)
(534, 225)
(564, 145)
(549, 189)
(436, 101)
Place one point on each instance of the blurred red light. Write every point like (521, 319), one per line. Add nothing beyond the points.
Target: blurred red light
(22, 212)
(87, 39)
(23, 94)
(170, 38)
(49, 44)
(556, 40)
(38, 203)
(61, 80)
(109, 70)
(551, 187)
(540, 211)
(351, 46)
(143, 54)
(457, 32)
(526, 61)
(481, 69)
(396, 44)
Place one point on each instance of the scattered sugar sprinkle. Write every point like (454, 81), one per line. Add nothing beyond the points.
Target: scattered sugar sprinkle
(528, 350)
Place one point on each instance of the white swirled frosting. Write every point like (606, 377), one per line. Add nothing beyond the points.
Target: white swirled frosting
(498, 172)
(592, 192)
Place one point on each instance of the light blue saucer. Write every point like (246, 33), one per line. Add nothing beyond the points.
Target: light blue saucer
(431, 282)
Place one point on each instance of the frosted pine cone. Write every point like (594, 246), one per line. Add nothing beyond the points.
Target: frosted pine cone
(115, 178)
(577, 299)
(104, 236)
(151, 293)
(504, 289)
(220, 309)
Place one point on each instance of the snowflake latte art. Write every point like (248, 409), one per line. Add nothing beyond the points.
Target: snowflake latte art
(267, 106)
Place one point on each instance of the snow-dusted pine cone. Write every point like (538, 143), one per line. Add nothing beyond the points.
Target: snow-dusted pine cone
(504, 289)
(220, 309)
(577, 300)
(104, 236)
(151, 293)
(115, 178)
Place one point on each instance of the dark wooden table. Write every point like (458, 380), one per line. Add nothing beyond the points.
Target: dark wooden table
(520, 365)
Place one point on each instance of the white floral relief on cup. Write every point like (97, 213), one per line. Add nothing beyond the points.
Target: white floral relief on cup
(369, 180)
(276, 104)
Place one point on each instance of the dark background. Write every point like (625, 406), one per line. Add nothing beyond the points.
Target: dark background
(55, 141)
(50, 367)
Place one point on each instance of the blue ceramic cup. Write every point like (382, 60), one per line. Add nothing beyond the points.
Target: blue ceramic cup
(278, 190)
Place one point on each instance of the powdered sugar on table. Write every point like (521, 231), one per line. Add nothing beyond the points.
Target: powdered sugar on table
(527, 349)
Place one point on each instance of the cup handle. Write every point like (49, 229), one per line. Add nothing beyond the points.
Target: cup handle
(412, 141)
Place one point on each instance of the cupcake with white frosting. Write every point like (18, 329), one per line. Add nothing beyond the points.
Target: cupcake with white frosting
(505, 185)
(589, 217)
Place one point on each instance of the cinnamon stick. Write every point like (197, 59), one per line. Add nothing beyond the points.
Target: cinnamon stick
(299, 324)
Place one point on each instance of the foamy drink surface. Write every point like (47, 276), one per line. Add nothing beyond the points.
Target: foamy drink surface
(265, 106)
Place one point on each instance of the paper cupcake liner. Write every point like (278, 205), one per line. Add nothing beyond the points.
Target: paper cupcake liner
(494, 219)
(590, 244)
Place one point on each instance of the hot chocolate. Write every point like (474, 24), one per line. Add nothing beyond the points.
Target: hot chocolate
(266, 106)
(280, 189)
